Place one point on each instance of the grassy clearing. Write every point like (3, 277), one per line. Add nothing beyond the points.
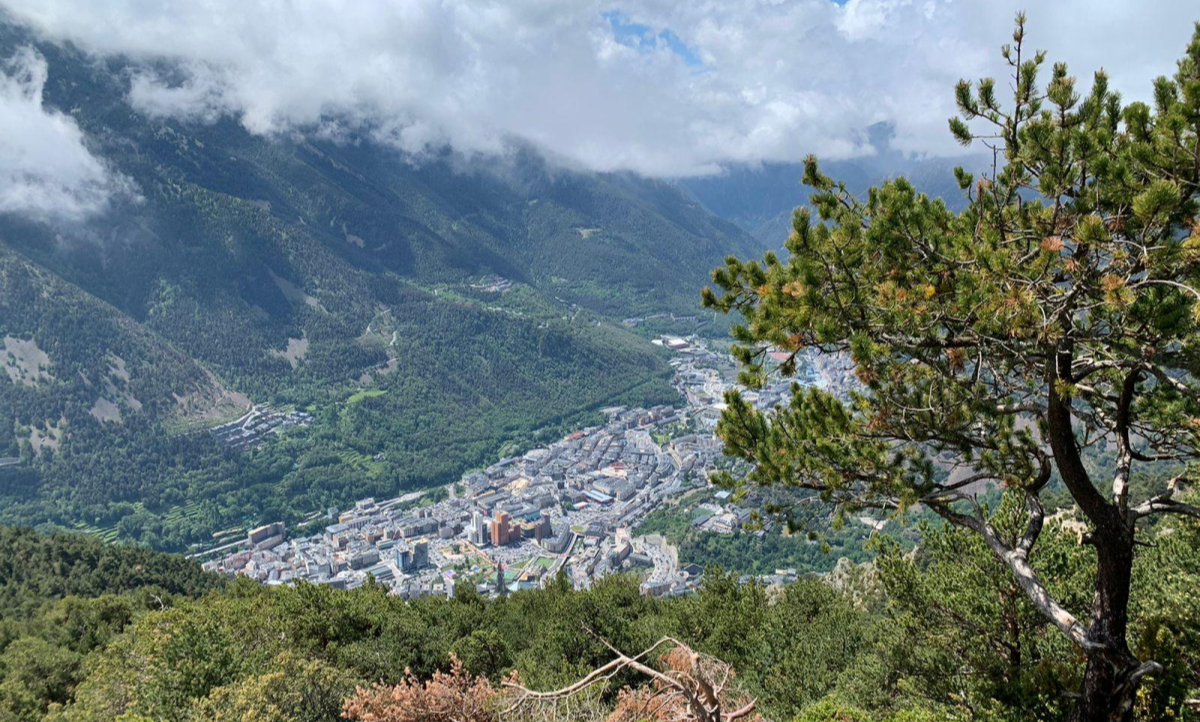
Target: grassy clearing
(365, 394)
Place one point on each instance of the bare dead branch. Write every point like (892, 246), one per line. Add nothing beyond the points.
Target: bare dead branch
(690, 688)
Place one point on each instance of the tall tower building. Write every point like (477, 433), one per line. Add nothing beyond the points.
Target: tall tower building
(500, 529)
(420, 554)
(478, 533)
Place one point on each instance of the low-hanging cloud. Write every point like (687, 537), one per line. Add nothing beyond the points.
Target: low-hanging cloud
(46, 170)
(655, 86)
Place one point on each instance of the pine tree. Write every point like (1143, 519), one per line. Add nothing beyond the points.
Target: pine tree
(1055, 315)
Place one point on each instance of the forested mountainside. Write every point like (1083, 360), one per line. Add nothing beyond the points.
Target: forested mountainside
(934, 635)
(426, 314)
(38, 569)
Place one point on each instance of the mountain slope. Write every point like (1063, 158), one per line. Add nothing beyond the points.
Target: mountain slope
(332, 276)
(443, 218)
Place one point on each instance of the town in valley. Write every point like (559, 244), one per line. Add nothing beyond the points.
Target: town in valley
(572, 507)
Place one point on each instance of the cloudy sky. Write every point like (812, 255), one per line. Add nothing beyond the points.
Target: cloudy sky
(661, 87)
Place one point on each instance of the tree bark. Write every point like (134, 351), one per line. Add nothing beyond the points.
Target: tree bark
(1111, 678)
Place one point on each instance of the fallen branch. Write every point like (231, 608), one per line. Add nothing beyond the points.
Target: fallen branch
(691, 687)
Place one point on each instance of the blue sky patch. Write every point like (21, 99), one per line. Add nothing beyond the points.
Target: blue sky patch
(646, 39)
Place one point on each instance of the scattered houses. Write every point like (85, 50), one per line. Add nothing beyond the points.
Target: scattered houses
(256, 424)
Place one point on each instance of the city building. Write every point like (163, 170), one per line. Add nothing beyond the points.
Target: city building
(501, 532)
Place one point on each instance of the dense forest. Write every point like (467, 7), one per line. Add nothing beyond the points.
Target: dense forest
(96, 632)
(763, 551)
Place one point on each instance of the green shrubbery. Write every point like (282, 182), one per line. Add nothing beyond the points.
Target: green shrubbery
(898, 642)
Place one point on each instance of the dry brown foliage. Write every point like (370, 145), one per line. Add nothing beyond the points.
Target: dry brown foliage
(685, 686)
(454, 696)
(706, 679)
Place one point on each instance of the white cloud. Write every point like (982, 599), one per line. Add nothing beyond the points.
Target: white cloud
(46, 170)
(863, 19)
(202, 96)
(671, 88)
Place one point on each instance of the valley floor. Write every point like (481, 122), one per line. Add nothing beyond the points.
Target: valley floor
(575, 506)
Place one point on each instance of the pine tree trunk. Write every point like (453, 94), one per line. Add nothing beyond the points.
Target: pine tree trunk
(1110, 682)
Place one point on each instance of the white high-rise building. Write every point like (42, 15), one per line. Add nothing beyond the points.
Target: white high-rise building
(477, 533)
